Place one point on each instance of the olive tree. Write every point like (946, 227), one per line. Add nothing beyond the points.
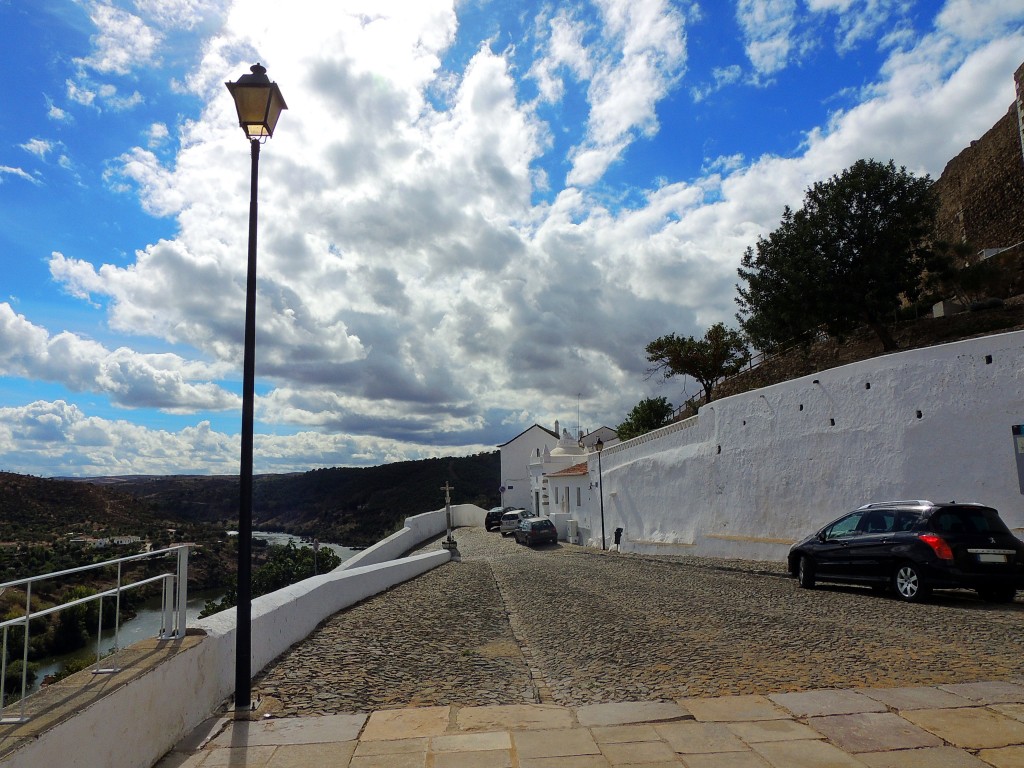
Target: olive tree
(719, 353)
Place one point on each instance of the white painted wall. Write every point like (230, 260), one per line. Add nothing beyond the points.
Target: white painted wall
(516, 456)
(417, 529)
(752, 473)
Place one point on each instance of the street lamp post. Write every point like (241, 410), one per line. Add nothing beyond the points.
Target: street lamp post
(599, 445)
(259, 104)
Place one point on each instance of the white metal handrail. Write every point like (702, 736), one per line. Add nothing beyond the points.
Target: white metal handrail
(174, 598)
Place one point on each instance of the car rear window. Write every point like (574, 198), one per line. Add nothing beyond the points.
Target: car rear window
(967, 520)
(543, 524)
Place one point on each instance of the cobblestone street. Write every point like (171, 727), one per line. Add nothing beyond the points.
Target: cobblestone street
(573, 626)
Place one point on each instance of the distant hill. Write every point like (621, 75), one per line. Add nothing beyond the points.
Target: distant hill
(35, 508)
(350, 506)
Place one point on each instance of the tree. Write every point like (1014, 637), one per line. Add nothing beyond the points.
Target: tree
(647, 415)
(721, 352)
(857, 248)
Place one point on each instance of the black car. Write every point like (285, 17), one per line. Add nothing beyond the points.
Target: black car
(493, 518)
(915, 547)
(536, 531)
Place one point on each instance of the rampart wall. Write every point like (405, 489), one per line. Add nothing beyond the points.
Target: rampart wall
(981, 190)
(754, 472)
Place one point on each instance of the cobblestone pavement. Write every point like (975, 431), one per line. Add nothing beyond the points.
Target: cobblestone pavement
(573, 626)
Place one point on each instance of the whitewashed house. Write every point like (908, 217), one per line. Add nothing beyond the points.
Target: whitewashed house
(516, 455)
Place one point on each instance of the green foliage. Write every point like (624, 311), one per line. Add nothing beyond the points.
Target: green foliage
(719, 353)
(72, 626)
(284, 565)
(857, 248)
(647, 415)
(12, 678)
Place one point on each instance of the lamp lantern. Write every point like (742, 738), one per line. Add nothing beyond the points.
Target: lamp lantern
(259, 103)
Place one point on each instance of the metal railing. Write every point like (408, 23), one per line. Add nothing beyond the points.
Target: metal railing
(173, 604)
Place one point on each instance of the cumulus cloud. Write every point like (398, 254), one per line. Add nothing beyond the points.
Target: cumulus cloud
(38, 147)
(768, 27)
(415, 294)
(637, 55)
(122, 42)
(128, 378)
(7, 170)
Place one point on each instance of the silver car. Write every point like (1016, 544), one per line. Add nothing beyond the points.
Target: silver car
(510, 520)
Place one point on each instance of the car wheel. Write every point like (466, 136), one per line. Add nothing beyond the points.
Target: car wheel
(998, 594)
(908, 583)
(805, 572)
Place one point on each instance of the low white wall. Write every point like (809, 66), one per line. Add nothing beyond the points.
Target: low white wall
(133, 726)
(754, 472)
(417, 529)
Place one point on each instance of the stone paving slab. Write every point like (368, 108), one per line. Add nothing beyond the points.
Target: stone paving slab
(929, 757)
(700, 738)
(624, 713)
(555, 743)
(396, 724)
(725, 760)
(873, 732)
(922, 697)
(805, 754)
(1003, 692)
(620, 734)
(969, 727)
(1016, 711)
(828, 702)
(514, 717)
(1007, 757)
(280, 731)
(772, 730)
(734, 709)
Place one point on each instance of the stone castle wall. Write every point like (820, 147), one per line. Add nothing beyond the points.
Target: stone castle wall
(981, 190)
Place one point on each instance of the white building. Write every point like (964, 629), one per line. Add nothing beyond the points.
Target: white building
(516, 455)
(566, 452)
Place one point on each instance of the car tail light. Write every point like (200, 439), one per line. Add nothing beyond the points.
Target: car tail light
(938, 545)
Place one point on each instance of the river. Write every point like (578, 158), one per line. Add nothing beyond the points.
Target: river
(147, 621)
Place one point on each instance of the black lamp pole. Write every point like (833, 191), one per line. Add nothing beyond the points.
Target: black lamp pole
(243, 636)
(259, 104)
(599, 445)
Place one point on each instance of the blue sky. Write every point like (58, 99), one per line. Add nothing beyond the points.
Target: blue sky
(473, 216)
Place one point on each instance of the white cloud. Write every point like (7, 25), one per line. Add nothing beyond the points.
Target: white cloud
(157, 135)
(38, 147)
(18, 173)
(640, 53)
(768, 27)
(128, 378)
(979, 20)
(180, 14)
(122, 43)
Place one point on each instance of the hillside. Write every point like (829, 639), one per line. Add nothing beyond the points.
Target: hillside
(351, 506)
(35, 509)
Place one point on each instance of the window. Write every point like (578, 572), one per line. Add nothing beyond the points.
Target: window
(843, 527)
(578, 493)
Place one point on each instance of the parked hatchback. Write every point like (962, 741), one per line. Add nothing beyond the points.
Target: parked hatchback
(510, 520)
(536, 531)
(915, 547)
(492, 520)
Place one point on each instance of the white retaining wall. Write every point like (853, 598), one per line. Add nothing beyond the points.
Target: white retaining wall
(134, 725)
(417, 529)
(752, 473)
